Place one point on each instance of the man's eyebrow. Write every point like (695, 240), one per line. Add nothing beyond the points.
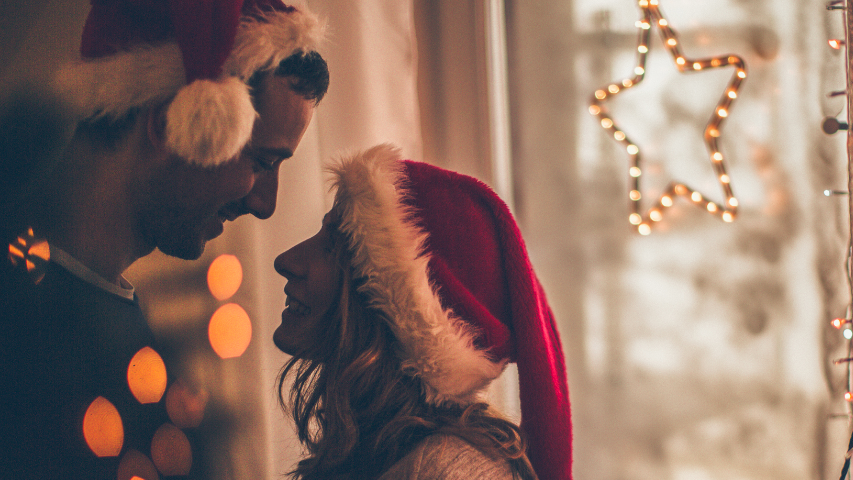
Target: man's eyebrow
(275, 152)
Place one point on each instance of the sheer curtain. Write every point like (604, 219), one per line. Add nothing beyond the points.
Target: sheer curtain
(372, 55)
(412, 73)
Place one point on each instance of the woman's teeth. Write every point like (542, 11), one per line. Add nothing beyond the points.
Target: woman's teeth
(294, 306)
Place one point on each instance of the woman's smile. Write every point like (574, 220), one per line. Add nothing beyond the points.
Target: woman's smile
(297, 308)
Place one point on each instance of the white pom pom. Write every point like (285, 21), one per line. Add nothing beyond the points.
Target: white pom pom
(209, 122)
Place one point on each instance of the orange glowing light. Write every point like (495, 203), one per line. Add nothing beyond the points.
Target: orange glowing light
(171, 451)
(838, 322)
(146, 376)
(230, 331)
(41, 250)
(224, 276)
(848, 396)
(185, 404)
(102, 428)
(31, 252)
(136, 466)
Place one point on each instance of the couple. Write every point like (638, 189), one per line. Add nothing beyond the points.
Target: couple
(406, 305)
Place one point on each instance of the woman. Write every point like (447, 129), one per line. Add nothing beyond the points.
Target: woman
(408, 302)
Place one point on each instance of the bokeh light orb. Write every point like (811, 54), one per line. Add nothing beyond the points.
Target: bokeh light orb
(103, 428)
(171, 451)
(146, 376)
(185, 404)
(224, 276)
(135, 465)
(230, 331)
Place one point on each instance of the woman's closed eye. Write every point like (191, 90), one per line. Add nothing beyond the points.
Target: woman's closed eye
(331, 236)
(329, 239)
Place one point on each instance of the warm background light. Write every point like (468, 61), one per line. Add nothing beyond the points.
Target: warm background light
(170, 450)
(41, 250)
(33, 252)
(224, 276)
(136, 466)
(146, 376)
(651, 12)
(185, 404)
(230, 331)
(102, 428)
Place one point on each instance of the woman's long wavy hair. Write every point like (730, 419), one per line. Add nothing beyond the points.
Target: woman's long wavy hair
(357, 413)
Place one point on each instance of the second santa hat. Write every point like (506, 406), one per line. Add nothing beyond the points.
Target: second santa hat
(440, 255)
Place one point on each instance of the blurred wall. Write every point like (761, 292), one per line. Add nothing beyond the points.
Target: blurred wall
(35, 35)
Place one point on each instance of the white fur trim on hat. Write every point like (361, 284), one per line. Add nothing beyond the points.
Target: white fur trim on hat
(112, 86)
(388, 252)
(209, 121)
(262, 44)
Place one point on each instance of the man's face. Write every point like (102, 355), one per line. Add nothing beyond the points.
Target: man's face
(187, 205)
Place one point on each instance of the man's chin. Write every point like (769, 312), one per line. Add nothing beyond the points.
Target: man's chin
(184, 252)
(187, 241)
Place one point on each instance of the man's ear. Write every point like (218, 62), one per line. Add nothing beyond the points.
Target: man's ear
(156, 123)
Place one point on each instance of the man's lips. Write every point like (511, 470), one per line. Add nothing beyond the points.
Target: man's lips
(232, 211)
(227, 215)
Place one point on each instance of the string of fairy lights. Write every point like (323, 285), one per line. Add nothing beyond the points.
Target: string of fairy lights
(830, 126)
(643, 220)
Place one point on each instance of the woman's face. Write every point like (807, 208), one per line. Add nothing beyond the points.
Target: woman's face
(313, 286)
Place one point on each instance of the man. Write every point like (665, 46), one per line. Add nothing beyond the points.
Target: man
(187, 111)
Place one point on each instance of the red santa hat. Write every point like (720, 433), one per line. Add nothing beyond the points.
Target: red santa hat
(196, 54)
(442, 257)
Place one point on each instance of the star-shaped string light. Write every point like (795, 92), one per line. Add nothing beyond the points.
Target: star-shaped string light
(652, 16)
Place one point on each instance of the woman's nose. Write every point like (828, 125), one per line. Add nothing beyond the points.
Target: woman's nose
(287, 264)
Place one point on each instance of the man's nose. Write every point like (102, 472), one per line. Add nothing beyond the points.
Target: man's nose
(261, 200)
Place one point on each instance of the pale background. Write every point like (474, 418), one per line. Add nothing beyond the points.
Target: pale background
(702, 351)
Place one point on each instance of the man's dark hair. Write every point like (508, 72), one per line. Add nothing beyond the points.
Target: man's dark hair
(311, 80)
(310, 71)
